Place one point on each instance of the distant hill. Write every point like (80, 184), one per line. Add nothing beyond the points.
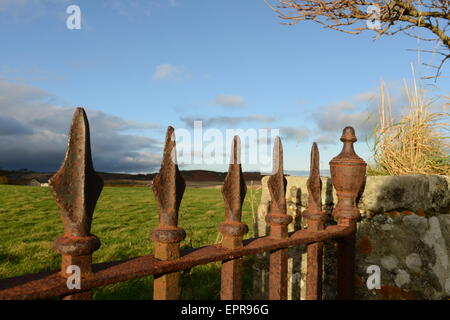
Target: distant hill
(192, 177)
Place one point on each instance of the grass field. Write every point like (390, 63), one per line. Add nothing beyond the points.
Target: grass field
(123, 219)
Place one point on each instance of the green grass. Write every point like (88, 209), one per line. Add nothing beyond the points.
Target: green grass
(123, 219)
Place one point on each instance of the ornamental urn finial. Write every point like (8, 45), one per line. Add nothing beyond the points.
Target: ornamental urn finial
(348, 172)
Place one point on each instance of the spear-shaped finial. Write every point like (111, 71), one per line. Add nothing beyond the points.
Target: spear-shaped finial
(233, 229)
(314, 185)
(278, 220)
(76, 188)
(234, 188)
(315, 218)
(233, 192)
(277, 182)
(168, 188)
(277, 216)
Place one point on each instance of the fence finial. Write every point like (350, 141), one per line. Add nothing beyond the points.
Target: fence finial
(314, 217)
(277, 182)
(168, 188)
(314, 185)
(233, 192)
(277, 217)
(76, 188)
(278, 220)
(348, 172)
(234, 188)
(233, 230)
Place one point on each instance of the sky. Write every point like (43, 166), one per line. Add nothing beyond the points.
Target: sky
(140, 66)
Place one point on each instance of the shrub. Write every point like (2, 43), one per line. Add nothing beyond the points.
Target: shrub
(417, 143)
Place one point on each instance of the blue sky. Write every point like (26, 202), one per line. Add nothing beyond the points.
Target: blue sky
(139, 66)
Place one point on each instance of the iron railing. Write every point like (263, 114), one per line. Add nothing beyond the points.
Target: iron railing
(76, 188)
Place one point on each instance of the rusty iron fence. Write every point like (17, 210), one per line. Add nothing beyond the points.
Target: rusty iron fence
(76, 188)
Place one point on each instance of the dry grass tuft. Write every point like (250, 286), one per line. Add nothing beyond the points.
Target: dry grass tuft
(417, 143)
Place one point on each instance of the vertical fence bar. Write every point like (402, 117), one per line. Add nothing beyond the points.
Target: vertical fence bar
(168, 188)
(233, 230)
(278, 221)
(76, 188)
(348, 173)
(346, 263)
(315, 218)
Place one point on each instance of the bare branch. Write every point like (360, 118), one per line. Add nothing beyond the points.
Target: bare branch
(353, 16)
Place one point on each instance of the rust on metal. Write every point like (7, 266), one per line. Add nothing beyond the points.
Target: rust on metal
(348, 172)
(314, 262)
(233, 230)
(313, 210)
(49, 284)
(277, 217)
(346, 267)
(76, 188)
(315, 218)
(277, 182)
(168, 188)
(278, 221)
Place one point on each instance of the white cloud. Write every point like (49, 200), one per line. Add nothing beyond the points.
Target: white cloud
(165, 71)
(229, 100)
(365, 96)
(334, 118)
(170, 72)
(358, 111)
(297, 134)
(325, 140)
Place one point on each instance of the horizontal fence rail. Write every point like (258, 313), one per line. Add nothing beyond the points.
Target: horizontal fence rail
(76, 188)
(50, 284)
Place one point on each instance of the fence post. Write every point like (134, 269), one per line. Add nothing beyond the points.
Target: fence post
(76, 188)
(348, 173)
(233, 230)
(168, 188)
(315, 218)
(278, 220)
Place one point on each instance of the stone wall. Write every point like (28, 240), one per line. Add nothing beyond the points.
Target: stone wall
(404, 229)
